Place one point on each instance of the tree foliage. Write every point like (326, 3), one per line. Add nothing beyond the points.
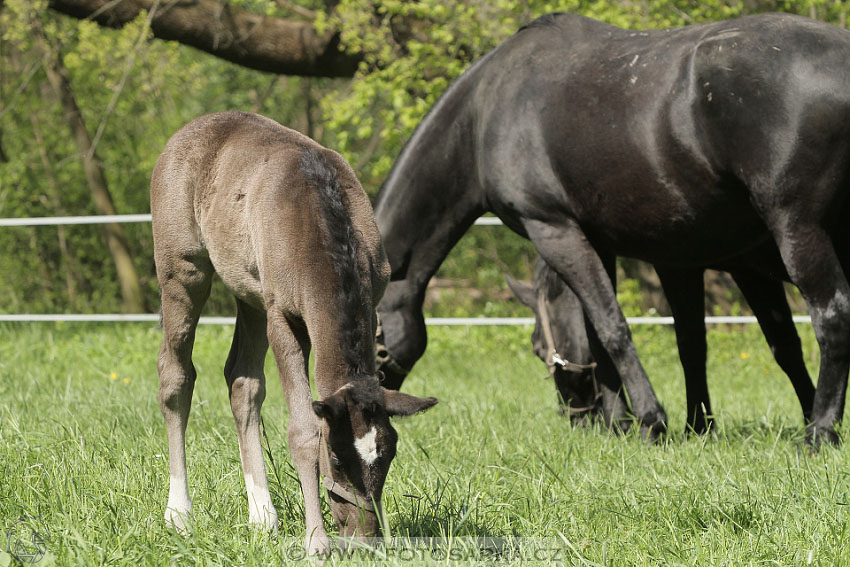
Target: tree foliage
(135, 90)
(413, 50)
(134, 93)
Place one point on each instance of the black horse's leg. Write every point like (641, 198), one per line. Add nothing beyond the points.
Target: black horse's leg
(814, 267)
(766, 298)
(685, 292)
(567, 250)
(614, 407)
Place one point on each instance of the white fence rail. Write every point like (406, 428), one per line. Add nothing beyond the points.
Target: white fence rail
(153, 318)
(93, 219)
(146, 217)
(430, 321)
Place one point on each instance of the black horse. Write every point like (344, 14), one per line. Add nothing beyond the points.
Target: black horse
(564, 341)
(683, 147)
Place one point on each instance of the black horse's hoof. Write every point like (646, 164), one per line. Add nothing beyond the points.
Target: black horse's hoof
(654, 426)
(818, 436)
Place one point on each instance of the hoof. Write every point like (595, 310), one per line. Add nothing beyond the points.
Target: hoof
(317, 545)
(817, 436)
(654, 426)
(177, 520)
(266, 522)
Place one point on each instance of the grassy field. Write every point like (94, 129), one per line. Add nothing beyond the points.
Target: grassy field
(83, 454)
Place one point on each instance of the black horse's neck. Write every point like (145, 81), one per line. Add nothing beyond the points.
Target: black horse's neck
(429, 200)
(432, 194)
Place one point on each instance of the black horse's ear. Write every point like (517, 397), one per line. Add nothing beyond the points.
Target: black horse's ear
(405, 404)
(525, 293)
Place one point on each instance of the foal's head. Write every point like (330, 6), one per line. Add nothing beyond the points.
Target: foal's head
(358, 445)
(556, 306)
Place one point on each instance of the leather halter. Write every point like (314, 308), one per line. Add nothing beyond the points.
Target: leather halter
(554, 360)
(328, 481)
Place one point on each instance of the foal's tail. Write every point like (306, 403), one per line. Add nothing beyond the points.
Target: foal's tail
(342, 247)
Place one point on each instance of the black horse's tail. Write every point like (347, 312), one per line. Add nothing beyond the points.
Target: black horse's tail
(342, 247)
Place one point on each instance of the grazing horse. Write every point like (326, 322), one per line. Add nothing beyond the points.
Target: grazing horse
(684, 147)
(286, 225)
(562, 340)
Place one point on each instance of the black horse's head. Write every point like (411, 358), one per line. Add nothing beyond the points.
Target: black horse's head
(560, 341)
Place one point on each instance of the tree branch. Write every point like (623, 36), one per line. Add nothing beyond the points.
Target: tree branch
(296, 9)
(277, 45)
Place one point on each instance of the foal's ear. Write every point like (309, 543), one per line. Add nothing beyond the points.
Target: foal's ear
(405, 404)
(323, 410)
(525, 293)
(327, 408)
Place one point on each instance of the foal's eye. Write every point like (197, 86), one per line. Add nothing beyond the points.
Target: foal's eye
(335, 462)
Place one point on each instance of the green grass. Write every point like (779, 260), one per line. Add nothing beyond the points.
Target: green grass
(87, 455)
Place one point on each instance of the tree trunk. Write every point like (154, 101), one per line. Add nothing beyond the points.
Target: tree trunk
(53, 190)
(131, 289)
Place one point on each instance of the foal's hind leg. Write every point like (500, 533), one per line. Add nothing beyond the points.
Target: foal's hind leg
(685, 292)
(767, 299)
(185, 286)
(567, 250)
(246, 384)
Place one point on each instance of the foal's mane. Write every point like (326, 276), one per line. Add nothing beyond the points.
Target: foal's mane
(341, 245)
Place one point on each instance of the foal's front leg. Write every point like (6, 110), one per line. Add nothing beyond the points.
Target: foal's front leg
(291, 348)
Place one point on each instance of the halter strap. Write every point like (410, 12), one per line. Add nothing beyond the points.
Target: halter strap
(328, 481)
(553, 359)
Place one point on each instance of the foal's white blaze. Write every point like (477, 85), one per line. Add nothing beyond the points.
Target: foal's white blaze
(366, 447)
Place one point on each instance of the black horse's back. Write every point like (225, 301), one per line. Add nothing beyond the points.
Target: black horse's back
(684, 147)
(639, 130)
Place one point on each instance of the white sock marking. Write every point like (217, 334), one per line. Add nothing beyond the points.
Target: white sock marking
(260, 508)
(179, 504)
(178, 495)
(366, 447)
